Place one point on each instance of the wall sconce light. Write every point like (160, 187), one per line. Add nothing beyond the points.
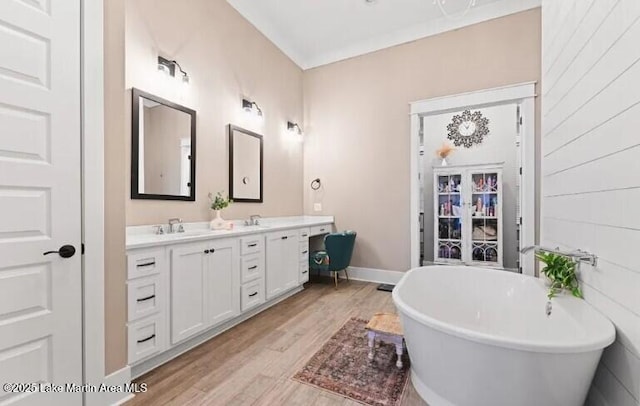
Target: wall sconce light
(294, 128)
(168, 67)
(251, 107)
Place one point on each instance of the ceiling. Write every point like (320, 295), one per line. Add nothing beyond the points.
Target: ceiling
(318, 32)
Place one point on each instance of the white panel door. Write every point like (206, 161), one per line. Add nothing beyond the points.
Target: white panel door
(188, 278)
(222, 290)
(40, 201)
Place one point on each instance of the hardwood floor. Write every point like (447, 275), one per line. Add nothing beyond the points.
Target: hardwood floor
(252, 364)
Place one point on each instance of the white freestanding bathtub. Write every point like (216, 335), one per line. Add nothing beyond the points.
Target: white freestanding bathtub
(479, 337)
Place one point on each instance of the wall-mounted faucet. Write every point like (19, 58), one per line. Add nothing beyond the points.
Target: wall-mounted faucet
(172, 223)
(577, 255)
(253, 220)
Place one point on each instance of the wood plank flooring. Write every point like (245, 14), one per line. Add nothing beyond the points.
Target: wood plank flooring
(252, 364)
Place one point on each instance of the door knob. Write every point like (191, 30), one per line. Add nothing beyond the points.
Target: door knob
(66, 251)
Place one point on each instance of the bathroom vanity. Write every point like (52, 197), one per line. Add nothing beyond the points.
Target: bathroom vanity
(186, 287)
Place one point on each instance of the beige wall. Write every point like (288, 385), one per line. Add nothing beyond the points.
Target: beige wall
(115, 186)
(226, 58)
(357, 123)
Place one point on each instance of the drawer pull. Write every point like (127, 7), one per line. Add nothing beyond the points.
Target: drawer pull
(253, 267)
(304, 235)
(252, 245)
(304, 272)
(146, 264)
(144, 340)
(304, 252)
(284, 238)
(322, 229)
(206, 251)
(144, 299)
(253, 294)
(212, 250)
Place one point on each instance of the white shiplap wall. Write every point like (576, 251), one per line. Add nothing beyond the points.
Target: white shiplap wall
(591, 167)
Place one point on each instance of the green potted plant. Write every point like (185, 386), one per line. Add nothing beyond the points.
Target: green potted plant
(217, 204)
(561, 272)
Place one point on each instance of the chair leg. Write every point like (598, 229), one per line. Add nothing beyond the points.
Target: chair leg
(346, 273)
(335, 278)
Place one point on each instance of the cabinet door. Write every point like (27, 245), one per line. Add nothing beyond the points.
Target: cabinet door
(485, 217)
(222, 286)
(449, 216)
(291, 259)
(275, 264)
(188, 277)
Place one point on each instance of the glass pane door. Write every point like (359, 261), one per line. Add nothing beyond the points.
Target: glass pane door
(485, 210)
(449, 217)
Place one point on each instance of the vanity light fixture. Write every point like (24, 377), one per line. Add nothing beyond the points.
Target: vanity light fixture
(168, 67)
(251, 107)
(294, 128)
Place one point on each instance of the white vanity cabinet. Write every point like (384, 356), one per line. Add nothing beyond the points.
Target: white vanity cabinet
(184, 289)
(303, 270)
(252, 293)
(205, 286)
(146, 301)
(283, 260)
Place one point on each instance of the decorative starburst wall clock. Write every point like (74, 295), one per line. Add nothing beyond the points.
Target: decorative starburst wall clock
(468, 129)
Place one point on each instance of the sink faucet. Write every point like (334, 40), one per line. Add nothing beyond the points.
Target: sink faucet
(172, 223)
(253, 220)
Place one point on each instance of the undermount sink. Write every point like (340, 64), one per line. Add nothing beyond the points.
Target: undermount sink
(254, 227)
(194, 232)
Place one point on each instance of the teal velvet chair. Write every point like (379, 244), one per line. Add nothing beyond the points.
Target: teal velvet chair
(336, 256)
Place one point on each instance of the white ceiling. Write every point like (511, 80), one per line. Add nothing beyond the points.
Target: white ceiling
(317, 32)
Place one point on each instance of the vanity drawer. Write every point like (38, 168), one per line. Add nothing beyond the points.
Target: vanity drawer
(319, 230)
(252, 294)
(251, 244)
(145, 338)
(304, 234)
(303, 275)
(144, 297)
(304, 252)
(145, 263)
(251, 267)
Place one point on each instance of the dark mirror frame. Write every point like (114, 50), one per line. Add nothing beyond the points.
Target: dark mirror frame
(231, 128)
(135, 138)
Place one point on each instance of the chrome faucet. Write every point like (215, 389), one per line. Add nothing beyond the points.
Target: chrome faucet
(253, 220)
(172, 223)
(577, 255)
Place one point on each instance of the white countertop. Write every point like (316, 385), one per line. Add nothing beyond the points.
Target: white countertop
(145, 236)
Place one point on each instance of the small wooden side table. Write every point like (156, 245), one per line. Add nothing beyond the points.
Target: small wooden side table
(385, 327)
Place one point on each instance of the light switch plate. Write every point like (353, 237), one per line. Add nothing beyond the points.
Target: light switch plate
(317, 207)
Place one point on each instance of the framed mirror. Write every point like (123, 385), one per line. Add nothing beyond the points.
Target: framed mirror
(163, 149)
(245, 165)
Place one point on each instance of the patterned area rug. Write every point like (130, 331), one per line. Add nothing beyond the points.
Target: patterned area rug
(341, 366)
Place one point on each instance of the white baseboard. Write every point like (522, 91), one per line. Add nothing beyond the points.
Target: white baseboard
(374, 275)
(120, 378)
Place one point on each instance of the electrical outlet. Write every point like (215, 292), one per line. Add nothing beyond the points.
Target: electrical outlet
(317, 207)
